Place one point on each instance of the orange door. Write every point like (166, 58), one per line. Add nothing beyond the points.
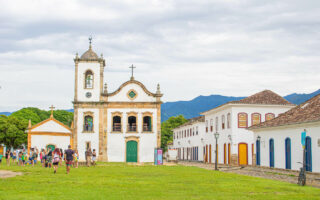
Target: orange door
(225, 153)
(243, 154)
(229, 153)
(210, 153)
(1, 150)
(206, 153)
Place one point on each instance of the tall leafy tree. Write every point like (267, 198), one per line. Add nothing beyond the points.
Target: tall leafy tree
(12, 131)
(166, 129)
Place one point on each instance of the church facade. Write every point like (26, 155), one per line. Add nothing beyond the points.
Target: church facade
(123, 125)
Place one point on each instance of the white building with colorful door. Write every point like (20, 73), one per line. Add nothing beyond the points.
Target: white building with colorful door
(235, 143)
(188, 139)
(278, 141)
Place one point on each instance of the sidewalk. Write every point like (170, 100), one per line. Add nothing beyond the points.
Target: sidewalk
(268, 173)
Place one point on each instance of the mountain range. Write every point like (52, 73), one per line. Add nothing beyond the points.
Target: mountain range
(194, 107)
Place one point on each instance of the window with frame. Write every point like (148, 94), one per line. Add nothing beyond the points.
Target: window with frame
(147, 123)
(242, 120)
(255, 118)
(132, 124)
(217, 123)
(185, 133)
(270, 116)
(206, 126)
(193, 131)
(211, 125)
(223, 122)
(228, 120)
(116, 123)
(88, 124)
(88, 80)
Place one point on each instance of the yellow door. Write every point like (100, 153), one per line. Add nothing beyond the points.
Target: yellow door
(243, 154)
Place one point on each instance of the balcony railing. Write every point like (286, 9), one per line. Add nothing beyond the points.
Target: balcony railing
(146, 127)
(132, 128)
(116, 127)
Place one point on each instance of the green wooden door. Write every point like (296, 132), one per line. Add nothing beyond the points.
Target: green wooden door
(132, 151)
(51, 146)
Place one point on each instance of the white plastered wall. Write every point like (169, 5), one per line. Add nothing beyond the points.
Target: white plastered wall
(93, 137)
(41, 141)
(51, 126)
(116, 146)
(122, 96)
(294, 133)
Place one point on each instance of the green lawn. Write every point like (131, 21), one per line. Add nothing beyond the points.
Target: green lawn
(121, 181)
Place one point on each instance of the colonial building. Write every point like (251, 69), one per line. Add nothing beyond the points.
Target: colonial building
(188, 139)
(49, 133)
(123, 125)
(278, 141)
(231, 120)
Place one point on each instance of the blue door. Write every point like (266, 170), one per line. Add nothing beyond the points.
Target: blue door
(271, 149)
(288, 153)
(258, 152)
(308, 154)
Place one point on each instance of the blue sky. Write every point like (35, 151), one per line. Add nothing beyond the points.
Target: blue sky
(191, 48)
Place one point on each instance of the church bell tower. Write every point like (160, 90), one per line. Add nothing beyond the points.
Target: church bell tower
(88, 76)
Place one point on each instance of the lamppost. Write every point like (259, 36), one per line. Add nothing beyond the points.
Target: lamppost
(302, 175)
(216, 135)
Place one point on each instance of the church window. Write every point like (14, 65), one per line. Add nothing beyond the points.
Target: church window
(211, 125)
(255, 118)
(269, 116)
(242, 120)
(147, 124)
(132, 94)
(223, 121)
(228, 120)
(116, 124)
(88, 124)
(132, 124)
(88, 80)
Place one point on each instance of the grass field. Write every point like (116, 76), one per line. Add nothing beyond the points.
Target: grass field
(122, 181)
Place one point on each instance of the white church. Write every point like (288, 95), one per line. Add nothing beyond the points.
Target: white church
(122, 125)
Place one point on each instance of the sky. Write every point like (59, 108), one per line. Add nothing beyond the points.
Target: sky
(191, 48)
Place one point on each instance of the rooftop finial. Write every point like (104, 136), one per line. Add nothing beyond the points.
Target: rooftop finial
(132, 67)
(51, 116)
(105, 88)
(90, 41)
(158, 89)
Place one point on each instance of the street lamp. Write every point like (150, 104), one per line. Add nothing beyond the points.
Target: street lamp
(259, 138)
(230, 138)
(216, 135)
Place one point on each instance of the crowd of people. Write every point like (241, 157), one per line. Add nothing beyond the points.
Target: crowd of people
(49, 158)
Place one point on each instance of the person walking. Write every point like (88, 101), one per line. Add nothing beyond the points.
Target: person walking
(94, 157)
(49, 157)
(69, 158)
(8, 157)
(14, 157)
(24, 157)
(75, 159)
(88, 157)
(20, 158)
(56, 159)
(1, 158)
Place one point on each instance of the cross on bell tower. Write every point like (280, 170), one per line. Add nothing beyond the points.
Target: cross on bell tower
(132, 67)
(51, 107)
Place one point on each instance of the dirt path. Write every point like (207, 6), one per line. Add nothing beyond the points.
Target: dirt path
(268, 173)
(8, 174)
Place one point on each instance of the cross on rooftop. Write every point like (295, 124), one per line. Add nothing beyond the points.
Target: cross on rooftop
(132, 67)
(52, 107)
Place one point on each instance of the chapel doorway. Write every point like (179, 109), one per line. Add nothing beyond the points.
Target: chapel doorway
(308, 154)
(132, 151)
(51, 146)
(243, 154)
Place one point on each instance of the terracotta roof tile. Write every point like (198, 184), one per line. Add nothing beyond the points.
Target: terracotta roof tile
(308, 111)
(265, 97)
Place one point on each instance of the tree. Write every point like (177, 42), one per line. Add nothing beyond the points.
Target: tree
(12, 131)
(166, 129)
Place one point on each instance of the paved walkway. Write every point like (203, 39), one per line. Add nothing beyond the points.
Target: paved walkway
(268, 173)
(8, 174)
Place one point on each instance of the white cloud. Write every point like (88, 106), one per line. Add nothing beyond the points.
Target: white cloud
(191, 48)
